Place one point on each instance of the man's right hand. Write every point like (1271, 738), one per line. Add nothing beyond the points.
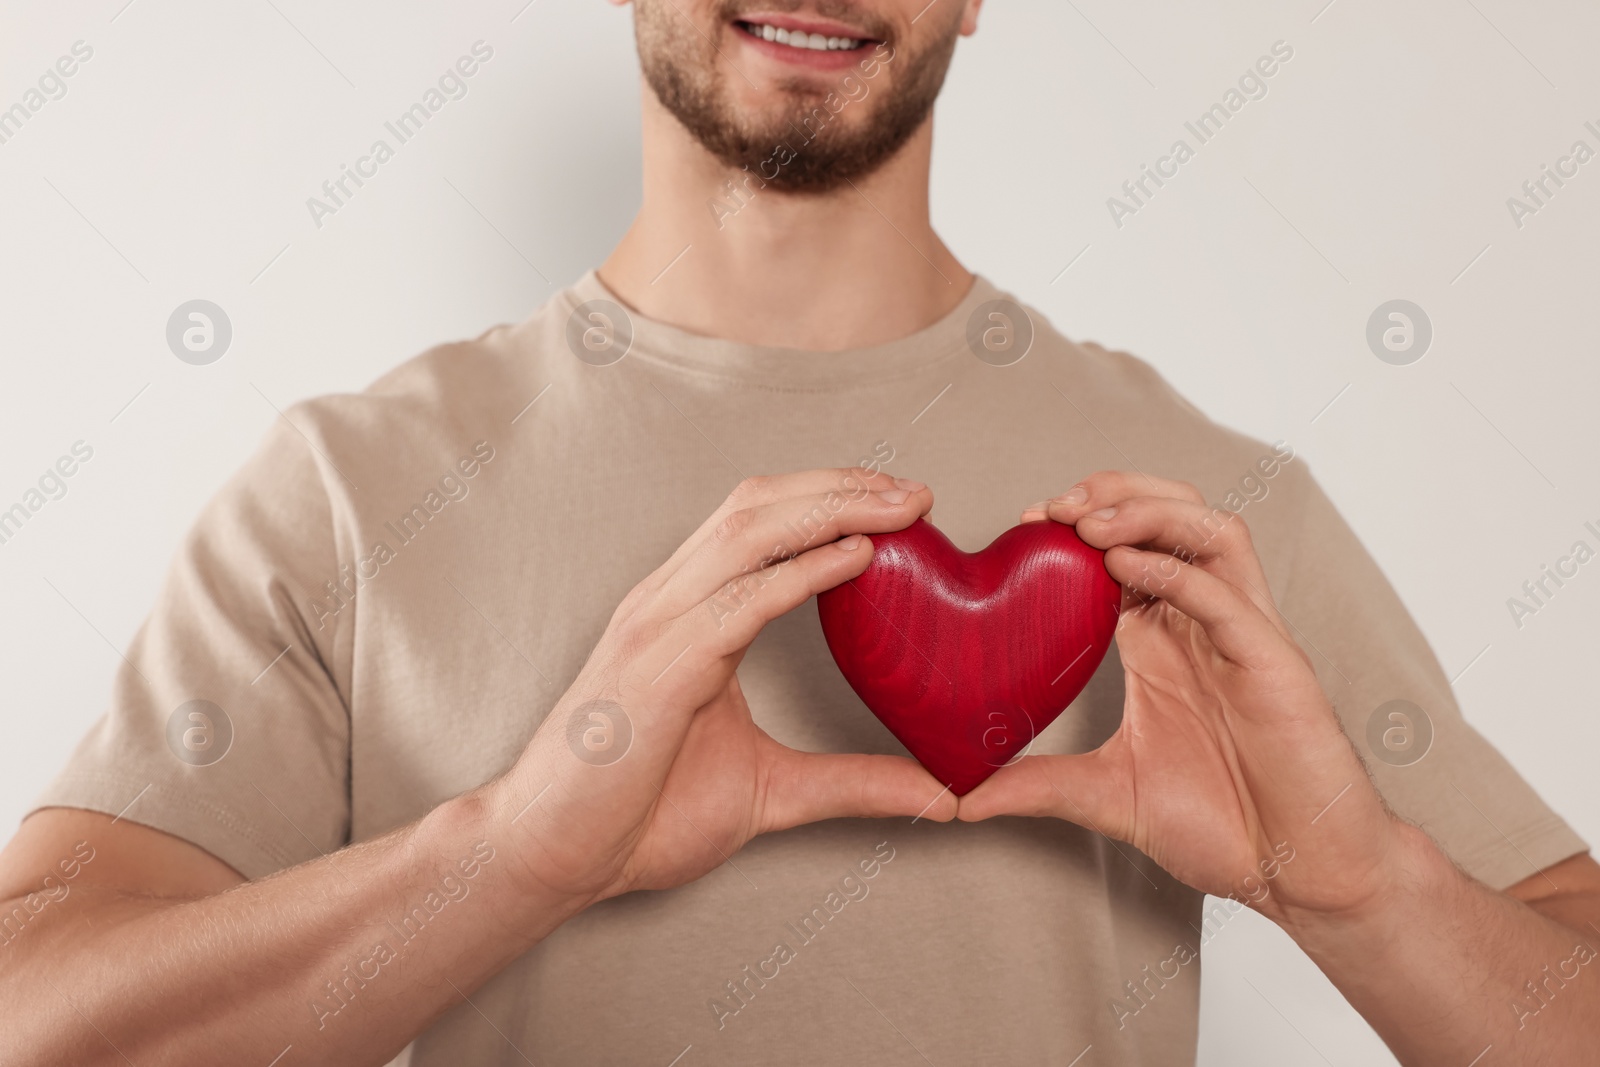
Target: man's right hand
(649, 771)
(161, 955)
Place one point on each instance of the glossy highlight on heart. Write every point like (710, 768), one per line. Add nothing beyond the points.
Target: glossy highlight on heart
(966, 657)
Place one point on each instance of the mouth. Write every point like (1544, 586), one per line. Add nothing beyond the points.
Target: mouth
(811, 43)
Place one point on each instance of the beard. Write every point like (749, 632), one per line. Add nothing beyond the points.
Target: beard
(688, 75)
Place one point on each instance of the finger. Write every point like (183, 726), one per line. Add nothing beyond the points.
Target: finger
(1109, 488)
(805, 787)
(752, 538)
(682, 655)
(1236, 627)
(1215, 539)
(768, 489)
(726, 622)
(1085, 789)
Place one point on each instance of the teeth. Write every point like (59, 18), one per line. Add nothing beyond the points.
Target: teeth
(816, 42)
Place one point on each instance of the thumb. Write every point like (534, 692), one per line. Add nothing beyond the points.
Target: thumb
(1085, 789)
(804, 787)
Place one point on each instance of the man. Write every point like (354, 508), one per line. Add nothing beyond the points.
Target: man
(477, 715)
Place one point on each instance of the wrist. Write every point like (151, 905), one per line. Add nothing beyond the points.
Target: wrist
(1413, 874)
(476, 829)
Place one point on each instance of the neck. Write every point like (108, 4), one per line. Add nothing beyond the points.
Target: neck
(849, 268)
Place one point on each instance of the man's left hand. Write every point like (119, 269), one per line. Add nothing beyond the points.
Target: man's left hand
(1230, 759)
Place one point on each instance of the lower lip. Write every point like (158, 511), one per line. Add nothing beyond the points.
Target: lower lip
(836, 59)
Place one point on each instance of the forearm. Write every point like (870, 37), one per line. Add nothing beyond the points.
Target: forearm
(346, 957)
(1444, 967)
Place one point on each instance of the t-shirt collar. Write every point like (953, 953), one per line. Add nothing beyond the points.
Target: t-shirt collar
(782, 367)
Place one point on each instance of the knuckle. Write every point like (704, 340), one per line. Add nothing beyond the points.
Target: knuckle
(732, 526)
(1208, 531)
(751, 488)
(623, 647)
(635, 600)
(636, 636)
(1235, 532)
(1101, 482)
(726, 628)
(745, 600)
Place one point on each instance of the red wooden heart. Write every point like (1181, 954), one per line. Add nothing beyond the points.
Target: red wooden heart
(966, 657)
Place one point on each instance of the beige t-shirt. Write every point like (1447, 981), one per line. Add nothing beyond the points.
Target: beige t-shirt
(489, 503)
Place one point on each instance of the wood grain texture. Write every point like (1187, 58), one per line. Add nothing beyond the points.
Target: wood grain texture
(965, 657)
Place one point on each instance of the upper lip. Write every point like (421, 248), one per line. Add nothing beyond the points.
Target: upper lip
(791, 23)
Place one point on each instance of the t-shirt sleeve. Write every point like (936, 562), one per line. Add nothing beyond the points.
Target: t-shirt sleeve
(226, 726)
(1398, 707)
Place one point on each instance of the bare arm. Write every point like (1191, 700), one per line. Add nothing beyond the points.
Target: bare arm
(130, 945)
(156, 951)
(1452, 972)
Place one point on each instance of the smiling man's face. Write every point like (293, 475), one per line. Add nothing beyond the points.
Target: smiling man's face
(809, 93)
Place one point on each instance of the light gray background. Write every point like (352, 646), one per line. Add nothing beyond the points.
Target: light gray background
(1378, 167)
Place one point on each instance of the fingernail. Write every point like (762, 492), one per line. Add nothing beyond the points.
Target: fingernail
(1102, 514)
(851, 543)
(1073, 497)
(893, 496)
(910, 485)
